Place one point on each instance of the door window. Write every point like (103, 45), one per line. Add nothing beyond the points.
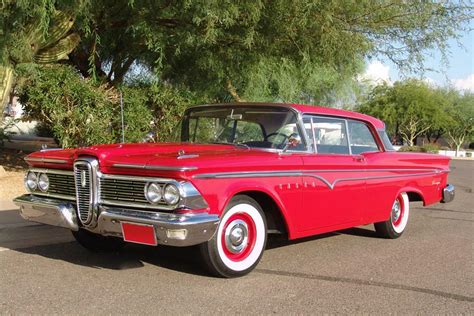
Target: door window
(330, 136)
(361, 139)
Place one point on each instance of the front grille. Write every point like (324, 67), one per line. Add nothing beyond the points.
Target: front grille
(83, 180)
(117, 190)
(62, 184)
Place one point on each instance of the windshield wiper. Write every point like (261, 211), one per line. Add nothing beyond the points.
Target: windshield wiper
(234, 144)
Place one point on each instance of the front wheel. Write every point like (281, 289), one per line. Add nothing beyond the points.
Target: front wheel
(395, 225)
(240, 240)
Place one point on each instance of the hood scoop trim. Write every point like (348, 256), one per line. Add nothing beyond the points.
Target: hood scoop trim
(154, 167)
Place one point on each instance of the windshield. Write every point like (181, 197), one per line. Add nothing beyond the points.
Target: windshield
(258, 127)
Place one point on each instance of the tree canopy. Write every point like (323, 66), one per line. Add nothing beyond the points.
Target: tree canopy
(302, 50)
(414, 108)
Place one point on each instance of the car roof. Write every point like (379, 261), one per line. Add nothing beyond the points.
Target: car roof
(313, 109)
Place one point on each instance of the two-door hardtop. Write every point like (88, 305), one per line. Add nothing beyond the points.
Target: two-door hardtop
(233, 174)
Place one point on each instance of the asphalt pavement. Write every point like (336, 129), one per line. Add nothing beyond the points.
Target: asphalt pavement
(429, 270)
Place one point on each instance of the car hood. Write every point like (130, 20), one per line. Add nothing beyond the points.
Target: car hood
(159, 157)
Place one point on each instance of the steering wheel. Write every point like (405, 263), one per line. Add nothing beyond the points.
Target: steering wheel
(282, 143)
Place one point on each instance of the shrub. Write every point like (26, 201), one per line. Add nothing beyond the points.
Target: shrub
(431, 148)
(413, 149)
(79, 112)
(5, 130)
(166, 103)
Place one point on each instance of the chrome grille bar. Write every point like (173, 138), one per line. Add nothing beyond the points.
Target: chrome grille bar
(85, 178)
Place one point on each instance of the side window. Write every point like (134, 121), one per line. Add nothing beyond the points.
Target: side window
(330, 136)
(361, 139)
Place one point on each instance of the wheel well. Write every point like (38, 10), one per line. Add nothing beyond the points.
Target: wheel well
(415, 197)
(275, 221)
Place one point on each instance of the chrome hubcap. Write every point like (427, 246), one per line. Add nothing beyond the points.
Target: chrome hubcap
(396, 211)
(236, 236)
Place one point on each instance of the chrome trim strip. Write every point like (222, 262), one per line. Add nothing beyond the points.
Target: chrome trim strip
(49, 160)
(53, 195)
(54, 171)
(153, 167)
(139, 205)
(309, 173)
(134, 178)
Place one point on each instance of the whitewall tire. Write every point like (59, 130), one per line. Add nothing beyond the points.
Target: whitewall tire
(396, 224)
(240, 240)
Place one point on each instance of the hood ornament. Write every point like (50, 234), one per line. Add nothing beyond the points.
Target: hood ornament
(182, 155)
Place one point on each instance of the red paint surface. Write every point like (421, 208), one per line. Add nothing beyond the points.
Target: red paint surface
(306, 209)
(141, 234)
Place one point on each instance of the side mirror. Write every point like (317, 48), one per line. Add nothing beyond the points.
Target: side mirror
(149, 138)
(293, 141)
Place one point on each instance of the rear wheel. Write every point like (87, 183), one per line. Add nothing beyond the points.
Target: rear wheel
(97, 243)
(396, 224)
(240, 240)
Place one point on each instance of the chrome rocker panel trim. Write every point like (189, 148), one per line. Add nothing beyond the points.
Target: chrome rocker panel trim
(200, 227)
(448, 193)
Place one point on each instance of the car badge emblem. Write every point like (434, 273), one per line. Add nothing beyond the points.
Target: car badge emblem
(83, 178)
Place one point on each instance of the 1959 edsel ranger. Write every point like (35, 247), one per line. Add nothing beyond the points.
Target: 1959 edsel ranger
(235, 173)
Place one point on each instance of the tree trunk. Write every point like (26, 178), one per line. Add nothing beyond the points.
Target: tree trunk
(233, 91)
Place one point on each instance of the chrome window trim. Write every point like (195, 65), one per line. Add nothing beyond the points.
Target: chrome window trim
(42, 159)
(299, 123)
(348, 136)
(379, 143)
(374, 137)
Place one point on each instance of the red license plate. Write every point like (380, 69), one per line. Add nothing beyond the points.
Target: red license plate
(139, 233)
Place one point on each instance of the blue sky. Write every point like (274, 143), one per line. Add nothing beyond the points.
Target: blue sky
(459, 73)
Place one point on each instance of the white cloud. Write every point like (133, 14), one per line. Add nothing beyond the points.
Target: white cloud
(431, 82)
(464, 84)
(376, 73)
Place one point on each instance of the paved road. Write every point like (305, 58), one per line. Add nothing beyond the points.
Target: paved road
(429, 270)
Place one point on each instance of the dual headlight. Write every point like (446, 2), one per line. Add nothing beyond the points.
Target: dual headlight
(35, 181)
(155, 193)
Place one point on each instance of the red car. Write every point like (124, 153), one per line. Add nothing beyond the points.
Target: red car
(234, 174)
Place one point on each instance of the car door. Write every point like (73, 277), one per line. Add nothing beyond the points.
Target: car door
(334, 185)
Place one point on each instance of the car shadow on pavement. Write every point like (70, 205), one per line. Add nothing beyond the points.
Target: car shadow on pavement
(130, 257)
(277, 241)
(55, 243)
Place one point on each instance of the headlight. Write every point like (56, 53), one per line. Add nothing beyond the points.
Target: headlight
(31, 181)
(171, 194)
(43, 182)
(153, 193)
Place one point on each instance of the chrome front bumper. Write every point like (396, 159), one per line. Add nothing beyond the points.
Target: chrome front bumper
(193, 228)
(448, 194)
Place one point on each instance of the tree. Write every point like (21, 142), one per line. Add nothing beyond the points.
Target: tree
(410, 109)
(460, 127)
(267, 49)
